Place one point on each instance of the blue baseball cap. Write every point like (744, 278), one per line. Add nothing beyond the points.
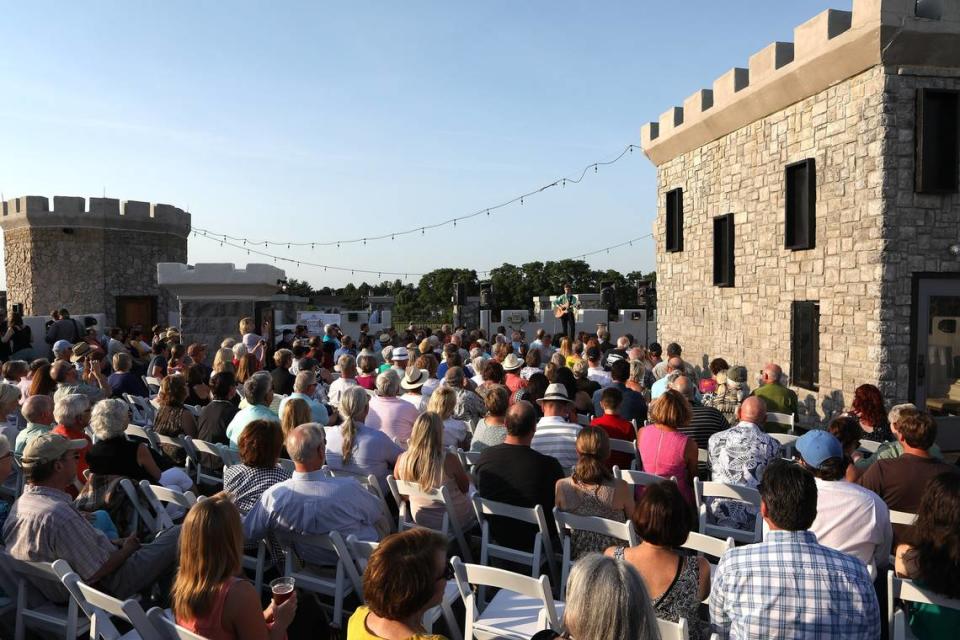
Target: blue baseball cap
(816, 447)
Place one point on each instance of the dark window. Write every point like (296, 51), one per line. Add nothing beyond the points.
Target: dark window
(805, 345)
(675, 220)
(938, 141)
(723, 251)
(801, 201)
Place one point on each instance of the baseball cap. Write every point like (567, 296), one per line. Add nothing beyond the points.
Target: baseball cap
(62, 345)
(816, 447)
(48, 447)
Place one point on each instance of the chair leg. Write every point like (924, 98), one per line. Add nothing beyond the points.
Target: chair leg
(19, 630)
(452, 627)
(72, 620)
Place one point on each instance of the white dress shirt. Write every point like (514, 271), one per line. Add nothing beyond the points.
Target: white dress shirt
(854, 520)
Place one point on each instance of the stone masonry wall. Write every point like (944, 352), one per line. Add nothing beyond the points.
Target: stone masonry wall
(918, 228)
(742, 173)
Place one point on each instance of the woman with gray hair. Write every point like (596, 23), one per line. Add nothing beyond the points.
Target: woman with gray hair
(258, 396)
(388, 413)
(356, 448)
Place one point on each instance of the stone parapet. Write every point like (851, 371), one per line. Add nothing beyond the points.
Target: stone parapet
(828, 49)
(97, 213)
(219, 280)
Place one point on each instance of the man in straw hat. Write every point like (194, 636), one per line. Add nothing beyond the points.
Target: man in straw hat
(556, 436)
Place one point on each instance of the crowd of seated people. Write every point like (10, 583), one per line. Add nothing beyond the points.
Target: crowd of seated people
(302, 427)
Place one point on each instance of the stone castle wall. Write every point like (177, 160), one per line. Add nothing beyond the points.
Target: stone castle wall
(84, 258)
(742, 173)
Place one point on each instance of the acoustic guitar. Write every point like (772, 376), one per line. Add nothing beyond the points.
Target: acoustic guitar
(561, 311)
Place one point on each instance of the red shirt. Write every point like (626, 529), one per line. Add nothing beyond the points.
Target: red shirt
(620, 429)
(514, 383)
(72, 434)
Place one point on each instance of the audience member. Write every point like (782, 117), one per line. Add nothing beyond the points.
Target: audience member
(469, 405)
(388, 413)
(295, 412)
(633, 407)
(593, 491)
(819, 592)
(615, 426)
(490, 431)
(428, 463)
(606, 599)
(740, 455)
(210, 597)
(356, 448)
(704, 421)
(932, 558)
(312, 504)
(677, 582)
(260, 446)
(282, 378)
(93, 384)
(305, 388)
(72, 415)
(44, 526)
(42, 383)
(173, 418)
(347, 366)
(868, 408)
(731, 391)
(405, 576)
(367, 369)
(122, 381)
(217, 415)
(531, 364)
(664, 449)
(777, 397)
(455, 432)
(890, 449)
(38, 412)
(556, 436)
(849, 518)
(412, 385)
(258, 391)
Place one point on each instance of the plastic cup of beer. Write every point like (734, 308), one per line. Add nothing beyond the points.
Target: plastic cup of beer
(282, 589)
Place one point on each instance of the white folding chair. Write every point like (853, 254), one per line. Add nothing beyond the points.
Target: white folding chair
(337, 586)
(256, 563)
(567, 523)
(100, 607)
(641, 478)
(583, 419)
(782, 419)
(468, 458)
(907, 591)
(627, 447)
(144, 433)
(902, 517)
(140, 510)
(673, 630)
(786, 441)
(179, 442)
(521, 607)
(708, 546)
(158, 497)
(703, 490)
(46, 616)
(450, 525)
(354, 555)
(136, 414)
(542, 546)
(229, 456)
(193, 409)
(168, 628)
(198, 448)
(869, 446)
(147, 410)
(287, 465)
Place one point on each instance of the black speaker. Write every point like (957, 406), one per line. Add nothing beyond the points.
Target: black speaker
(459, 294)
(650, 300)
(486, 295)
(608, 298)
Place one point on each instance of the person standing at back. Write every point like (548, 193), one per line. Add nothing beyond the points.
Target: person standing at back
(568, 304)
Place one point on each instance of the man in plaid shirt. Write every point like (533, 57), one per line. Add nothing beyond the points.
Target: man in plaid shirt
(789, 586)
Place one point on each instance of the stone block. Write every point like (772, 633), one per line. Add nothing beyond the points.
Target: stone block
(105, 206)
(729, 84)
(671, 119)
(770, 59)
(34, 204)
(69, 205)
(697, 104)
(813, 36)
(135, 210)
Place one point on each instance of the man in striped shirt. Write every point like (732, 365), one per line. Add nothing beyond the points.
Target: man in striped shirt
(556, 436)
(705, 421)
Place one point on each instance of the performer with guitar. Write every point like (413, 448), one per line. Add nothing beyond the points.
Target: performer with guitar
(564, 307)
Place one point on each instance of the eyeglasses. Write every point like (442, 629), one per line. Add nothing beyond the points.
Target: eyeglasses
(447, 572)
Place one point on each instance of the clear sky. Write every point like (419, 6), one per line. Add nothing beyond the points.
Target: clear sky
(319, 121)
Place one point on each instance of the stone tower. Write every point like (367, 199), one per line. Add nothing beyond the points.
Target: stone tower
(100, 258)
(809, 211)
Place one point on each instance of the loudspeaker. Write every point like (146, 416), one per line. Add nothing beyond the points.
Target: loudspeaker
(459, 294)
(608, 298)
(486, 295)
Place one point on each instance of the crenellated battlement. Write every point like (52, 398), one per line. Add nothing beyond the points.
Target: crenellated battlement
(827, 49)
(69, 211)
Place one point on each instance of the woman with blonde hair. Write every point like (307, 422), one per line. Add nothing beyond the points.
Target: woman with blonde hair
(663, 449)
(223, 361)
(173, 418)
(295, 412)
(593, 491)
(566, 350)
(428, 463)
(356, 448)
(254, 342)
(209, 596)
(246, 367)
(443, 401)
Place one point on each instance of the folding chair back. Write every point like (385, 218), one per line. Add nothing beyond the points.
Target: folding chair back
(641, 478)
(707, 545)
(168, 628)
(158, 497)
(337, 587)
(99, 608)
(567, 523)
(20, 477)
(869, 446)
(140, 510)
(450, 526)
(522, 606)
(179, 442)
(542, 546)
(583, 419)
(907, 591)
(786, 441)
(704, 490)
(468, 458)
(286, 464)
(627, 447)
(673, 630)
(136, 414)
(47, 615)
(200, 448)
(782, 419)
(902, 517)
(144, 433)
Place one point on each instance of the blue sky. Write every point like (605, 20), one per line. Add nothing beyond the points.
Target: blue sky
(321, 121)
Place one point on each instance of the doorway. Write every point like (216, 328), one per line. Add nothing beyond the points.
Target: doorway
(136, 310)
(935, 343)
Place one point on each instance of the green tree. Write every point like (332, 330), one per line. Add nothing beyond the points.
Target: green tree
(299, 288)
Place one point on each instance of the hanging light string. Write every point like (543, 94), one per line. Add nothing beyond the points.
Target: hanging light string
(422, 229)
(199, 233)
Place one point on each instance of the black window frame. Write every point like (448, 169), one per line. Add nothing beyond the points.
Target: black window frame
(805, 359)
(800, 178)
(724, 272)
(674, 207)
(928, 148)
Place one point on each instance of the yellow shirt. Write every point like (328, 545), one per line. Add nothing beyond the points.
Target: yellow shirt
(357, 628)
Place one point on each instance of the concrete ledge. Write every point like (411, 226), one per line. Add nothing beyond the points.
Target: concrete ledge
(219, 280)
